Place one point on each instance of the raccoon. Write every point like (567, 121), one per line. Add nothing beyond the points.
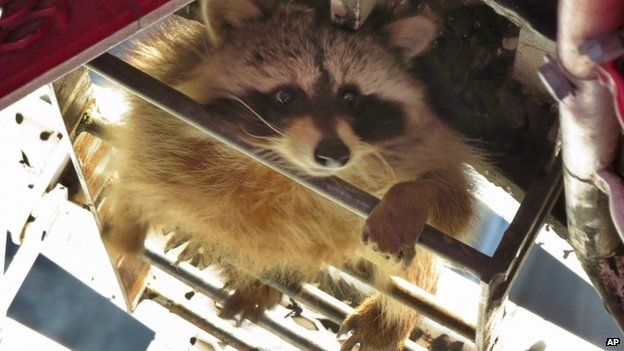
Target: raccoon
(330, 102)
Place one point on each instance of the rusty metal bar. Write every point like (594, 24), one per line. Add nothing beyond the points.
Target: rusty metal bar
(512, 251)
(333, 188)
(216, 328)
(590, 137)
(219, 295)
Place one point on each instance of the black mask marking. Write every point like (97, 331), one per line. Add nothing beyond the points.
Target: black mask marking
(372, 118)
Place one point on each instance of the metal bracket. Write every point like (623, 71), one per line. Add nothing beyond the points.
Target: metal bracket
(604, 48)
(555, 79)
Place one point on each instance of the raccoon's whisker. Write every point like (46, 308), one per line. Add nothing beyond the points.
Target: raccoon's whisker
(384, 163)
(242, 102)
(258, 136)
(261, 142)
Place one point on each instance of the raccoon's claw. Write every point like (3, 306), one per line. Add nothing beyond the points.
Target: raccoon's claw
(407, 255)
(249, 302)
(395, 224)
(368, 332)
(350, 324)
(350, 343)
(365, 234)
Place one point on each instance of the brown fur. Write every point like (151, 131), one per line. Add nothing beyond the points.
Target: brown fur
(238, 213)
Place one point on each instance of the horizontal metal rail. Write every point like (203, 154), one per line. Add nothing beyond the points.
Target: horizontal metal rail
(419, 300)
(314, 298)
(307, 294)
(320, 301)
(333, 188)
(216, 293)
(221, 331)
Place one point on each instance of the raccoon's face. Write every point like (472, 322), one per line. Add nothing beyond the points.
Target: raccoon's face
(322, 98)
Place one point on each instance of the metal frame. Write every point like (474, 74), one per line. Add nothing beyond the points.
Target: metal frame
(496, 273)
(512, 252)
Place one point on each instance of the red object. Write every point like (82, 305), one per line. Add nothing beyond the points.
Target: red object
(44, 39)
(615, 82)
(24, 22)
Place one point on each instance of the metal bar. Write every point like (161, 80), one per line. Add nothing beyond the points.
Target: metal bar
(512, 252)
(536, 205)
(73, 95)
(215, 292)
(419, 300)
(314, 298)
(329, 306)
(307, 294)
(213, 326)
(590, 137)
(335, 189)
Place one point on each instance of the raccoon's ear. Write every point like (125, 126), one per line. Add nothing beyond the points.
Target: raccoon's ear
(219, 14)
(411, 35)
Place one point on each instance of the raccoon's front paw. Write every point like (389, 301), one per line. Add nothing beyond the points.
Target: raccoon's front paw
(396, 223)
(370, 331)
(250, 302)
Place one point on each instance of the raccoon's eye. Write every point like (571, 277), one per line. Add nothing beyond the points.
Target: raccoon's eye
(284, 97)
(349, 96)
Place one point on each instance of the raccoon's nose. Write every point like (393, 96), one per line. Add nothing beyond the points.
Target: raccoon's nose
(331, 153)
